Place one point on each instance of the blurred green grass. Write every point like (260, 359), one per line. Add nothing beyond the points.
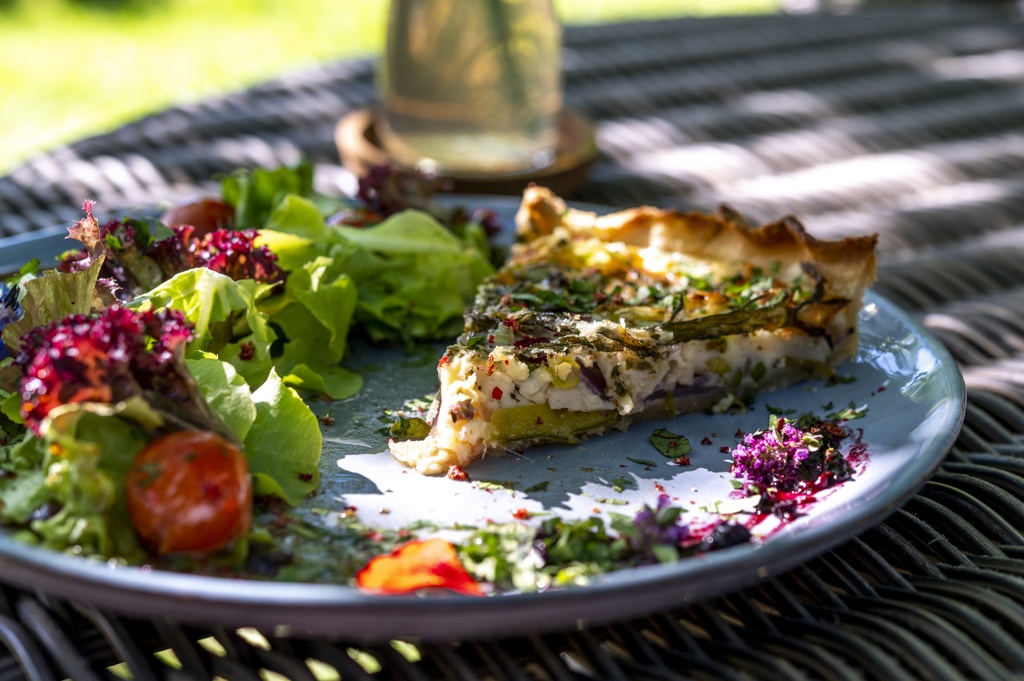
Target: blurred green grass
(74, 68)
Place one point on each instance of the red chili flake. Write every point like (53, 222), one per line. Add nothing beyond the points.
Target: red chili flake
(658, 486)
(520, 514)
(327, 420)
(681, 461)
(490, 338)
(881, 389)
(443, 362)
(496, 393)
(490, 365)
(739, 433)
(455, 472)
(304, 477)
(724, 450)
(706, 442)
(347, 512)
(539, 422)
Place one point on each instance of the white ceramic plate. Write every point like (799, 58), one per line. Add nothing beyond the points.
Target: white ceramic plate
(911, 387)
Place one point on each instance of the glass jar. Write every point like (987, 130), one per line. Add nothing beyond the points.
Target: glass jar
(471, 87)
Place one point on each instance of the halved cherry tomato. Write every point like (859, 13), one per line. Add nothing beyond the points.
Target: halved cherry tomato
(189, 492)
(207, 214)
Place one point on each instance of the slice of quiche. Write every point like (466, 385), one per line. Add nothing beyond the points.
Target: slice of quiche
(595, 321)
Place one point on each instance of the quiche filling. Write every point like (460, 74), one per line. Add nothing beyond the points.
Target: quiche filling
(596, 321)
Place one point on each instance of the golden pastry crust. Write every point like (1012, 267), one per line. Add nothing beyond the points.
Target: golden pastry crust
(848, 266)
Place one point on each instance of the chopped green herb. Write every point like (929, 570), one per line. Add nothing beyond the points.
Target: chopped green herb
(758, 372)
(495, 485)
(779, 411)
(620, 484)
(642, 462)
(409, 428)
(669, 444)
(719, 365)
(851, 412)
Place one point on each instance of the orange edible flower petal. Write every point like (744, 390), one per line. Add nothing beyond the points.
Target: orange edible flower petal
(418, 564)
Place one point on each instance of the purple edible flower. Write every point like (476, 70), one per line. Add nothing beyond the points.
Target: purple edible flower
(387, 189)
(10, 311)
(659, 525)
(775, 458)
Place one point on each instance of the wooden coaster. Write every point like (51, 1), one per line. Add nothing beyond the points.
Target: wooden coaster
(360, 149)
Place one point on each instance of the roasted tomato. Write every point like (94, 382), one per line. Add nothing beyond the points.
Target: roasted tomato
(189, 492)
(206, 214)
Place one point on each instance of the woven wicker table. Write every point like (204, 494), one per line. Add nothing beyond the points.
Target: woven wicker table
(907, 121)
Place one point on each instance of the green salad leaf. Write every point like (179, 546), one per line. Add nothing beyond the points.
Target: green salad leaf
(316, 311)
(52, 297)
(254, 194)
(226, 392)
(227, 321)
(66, 487)
(297, 216)
(23, 486)
(283, 445)
(414, 276)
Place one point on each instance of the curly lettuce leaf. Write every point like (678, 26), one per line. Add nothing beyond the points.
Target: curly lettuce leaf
(227, 321)
(64, 488)
(23, 487)
(414, 276)
(52, 297)
(316, 312)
